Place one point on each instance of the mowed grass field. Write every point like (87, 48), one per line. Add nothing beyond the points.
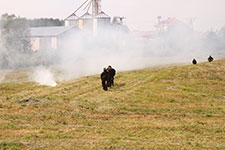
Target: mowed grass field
(180, 107)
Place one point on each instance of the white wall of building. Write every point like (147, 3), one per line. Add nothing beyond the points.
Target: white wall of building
(35, 43)
(54, 43)
(45, 43)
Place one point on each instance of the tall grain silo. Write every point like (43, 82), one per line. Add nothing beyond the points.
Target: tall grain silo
(103, 19)
(72, 20)
(101, 22)
(86, 21)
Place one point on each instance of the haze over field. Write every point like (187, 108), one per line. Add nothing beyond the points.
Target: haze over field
(84, 55)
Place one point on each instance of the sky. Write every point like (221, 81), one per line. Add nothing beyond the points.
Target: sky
(140, 14)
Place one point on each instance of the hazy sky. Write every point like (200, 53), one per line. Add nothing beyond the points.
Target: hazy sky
(140, 14)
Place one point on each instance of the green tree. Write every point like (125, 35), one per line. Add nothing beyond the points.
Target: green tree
(14, 40)
(15, 33)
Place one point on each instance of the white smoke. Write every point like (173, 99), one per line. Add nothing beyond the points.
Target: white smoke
(44, 76)
(2, 74)
(82, 54)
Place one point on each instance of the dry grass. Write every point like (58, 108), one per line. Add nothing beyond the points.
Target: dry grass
(180, 107)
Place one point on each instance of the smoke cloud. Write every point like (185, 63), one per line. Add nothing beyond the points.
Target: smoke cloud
(82, 53)
(43, 76)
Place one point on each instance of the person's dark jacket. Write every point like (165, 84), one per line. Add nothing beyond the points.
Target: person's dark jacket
(210, 59)
(112, 73)
(105, 76)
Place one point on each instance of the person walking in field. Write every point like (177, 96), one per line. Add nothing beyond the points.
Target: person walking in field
(210, 59)
(194, 61)
(112, 73)
(105, 76)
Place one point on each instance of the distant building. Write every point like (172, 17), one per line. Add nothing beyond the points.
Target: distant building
(172, 23)
(86, 22)
(49, 38)
(103, 20)
(72, 20)
(163, 25)
(93, 21)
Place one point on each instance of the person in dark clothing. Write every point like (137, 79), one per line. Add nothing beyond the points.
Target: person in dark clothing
(194, 62)
(210, 59)
(112, 73)
(105, 78)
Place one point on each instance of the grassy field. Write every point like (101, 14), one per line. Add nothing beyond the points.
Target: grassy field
(180, 107)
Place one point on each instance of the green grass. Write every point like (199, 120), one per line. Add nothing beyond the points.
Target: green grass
(180, 107)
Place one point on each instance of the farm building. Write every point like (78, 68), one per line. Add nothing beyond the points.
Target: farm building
(93, 20)
(49, 38)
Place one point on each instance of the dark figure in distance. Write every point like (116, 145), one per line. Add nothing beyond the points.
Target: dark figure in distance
(194, 61)
(210, 59)
(112, 73)
(105, 78)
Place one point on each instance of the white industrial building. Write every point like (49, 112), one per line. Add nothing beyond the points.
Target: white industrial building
(49, 38)
(94, 21)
